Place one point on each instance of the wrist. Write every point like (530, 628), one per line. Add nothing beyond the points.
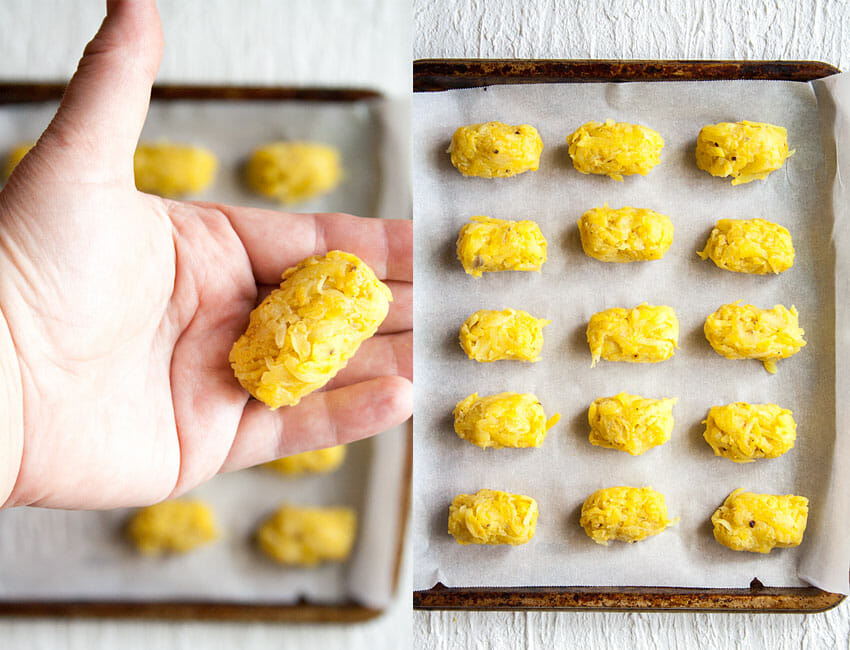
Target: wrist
(11, 412)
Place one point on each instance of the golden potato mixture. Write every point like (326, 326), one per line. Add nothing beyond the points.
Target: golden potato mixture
(486, 245)
(173, 170)
(630, 423)
(495, 149)
(746, 151)
(643, 334)
(615, 149)
(317, 461)
(292, 172)
(308, 536)
(492, 517)
(625, 514)
(746, 332)
(502, 420)
(760, 522)
(743, 432)
(304, 333)
(16, 154)
(510, 334)
(626, 234)
(749, 246)
(172, 527)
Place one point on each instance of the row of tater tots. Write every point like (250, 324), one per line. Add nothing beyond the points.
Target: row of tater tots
(288, 172)
(746, 151)
(291, 536)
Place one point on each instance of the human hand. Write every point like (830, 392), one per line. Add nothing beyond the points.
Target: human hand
(120, 309)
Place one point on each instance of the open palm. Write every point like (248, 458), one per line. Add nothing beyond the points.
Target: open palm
(121, 308)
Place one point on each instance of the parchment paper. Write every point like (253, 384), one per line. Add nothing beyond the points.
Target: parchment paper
(66, 555)
(572, 286)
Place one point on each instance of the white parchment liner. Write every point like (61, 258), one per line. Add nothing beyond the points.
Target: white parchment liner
(572, 286)
(65, 555)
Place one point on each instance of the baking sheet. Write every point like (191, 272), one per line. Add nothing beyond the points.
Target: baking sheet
(566, 469)
(64, 555)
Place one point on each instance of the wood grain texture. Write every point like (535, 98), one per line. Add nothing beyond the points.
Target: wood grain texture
(261, 42)
(623, 29)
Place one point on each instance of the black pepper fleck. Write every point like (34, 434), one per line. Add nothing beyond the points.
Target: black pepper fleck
(495, 151)
(752, 524)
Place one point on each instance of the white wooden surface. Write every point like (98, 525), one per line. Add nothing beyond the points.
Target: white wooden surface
(328, 43)
(633, 29)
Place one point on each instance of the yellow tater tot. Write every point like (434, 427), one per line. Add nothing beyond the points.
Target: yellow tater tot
(304, 333)
(172, 527)
(743, 432)
(492, 517)
(16, 155)
(630, 423)
(749, 246)
(643, 334)
(760, 522)
(308, 536)
(746, 151)
(625, 514)
(487, 245)
(292, 172)
(626, 234)
(502, 420)
(510, 334)
(495, 149)
(746, 332)
(173, 170)
(615, 149)
(317, 461)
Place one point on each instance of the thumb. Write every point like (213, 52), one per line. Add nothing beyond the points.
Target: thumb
(95, 131)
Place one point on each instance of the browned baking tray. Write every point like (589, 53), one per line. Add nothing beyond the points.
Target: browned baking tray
(14, 93)
(445, 74)
(430, 75)
(302, 611)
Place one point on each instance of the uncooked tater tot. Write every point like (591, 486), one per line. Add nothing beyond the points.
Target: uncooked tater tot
(760, 522)
(487, 244)
(615, 149)
(16, 154)
(746, 332)
(291, 172)
(172, 527)
(626, 514)
(630, 423)
(625, 235)
(743, 432)
(749, 246)
(643, 334)
(495, 149)
(746, 151)
(173, 170)
(304, 333)
(510, 334)
(502, 420)
(492, 517)
(308, 536)
(317, 461)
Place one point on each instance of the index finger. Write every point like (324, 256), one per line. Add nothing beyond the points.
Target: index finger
(276, 240)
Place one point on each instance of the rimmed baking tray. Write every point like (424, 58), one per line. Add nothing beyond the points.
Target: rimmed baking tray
(344, 611)
(434, 75)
